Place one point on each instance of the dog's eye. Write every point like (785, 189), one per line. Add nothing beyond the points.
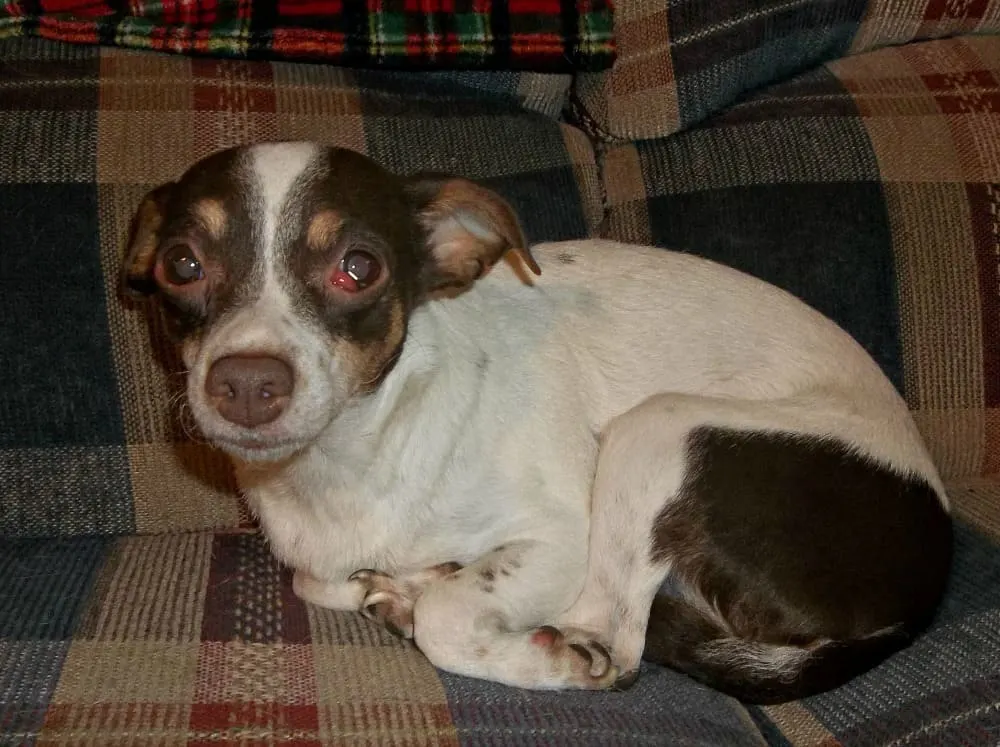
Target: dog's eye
(356, 271)
(181, 265)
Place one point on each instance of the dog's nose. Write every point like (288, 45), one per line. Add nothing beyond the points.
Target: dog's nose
(249, 390)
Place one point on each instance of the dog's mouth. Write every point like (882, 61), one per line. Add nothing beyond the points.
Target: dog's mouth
(254, 448)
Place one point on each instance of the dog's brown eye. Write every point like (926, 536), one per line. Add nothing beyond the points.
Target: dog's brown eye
(181, 265)
(357, 271)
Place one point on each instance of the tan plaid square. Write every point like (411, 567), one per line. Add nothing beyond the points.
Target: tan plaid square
(799, 726)
(133, 81)
(390, 690)
(150, 589)
(977, 500)
(914, 148)
(143, 147)
(134, 671)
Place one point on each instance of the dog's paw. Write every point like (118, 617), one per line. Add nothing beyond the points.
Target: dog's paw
(384, 602)
(581, 660)
(334, 595)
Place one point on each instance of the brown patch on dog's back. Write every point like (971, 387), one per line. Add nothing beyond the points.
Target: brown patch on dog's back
(567, 258)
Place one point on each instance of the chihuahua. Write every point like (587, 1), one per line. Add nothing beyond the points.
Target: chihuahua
(541, 464)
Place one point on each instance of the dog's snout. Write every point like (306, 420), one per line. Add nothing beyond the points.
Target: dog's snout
(250, 390)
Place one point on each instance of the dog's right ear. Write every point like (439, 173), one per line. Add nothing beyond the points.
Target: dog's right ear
(144, 235)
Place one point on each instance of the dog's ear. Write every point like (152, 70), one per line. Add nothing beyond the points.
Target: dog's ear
(467, 228)
(140, 254)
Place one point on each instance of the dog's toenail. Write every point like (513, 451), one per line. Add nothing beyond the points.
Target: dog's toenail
(626, 681)
(601, 650)
(394, 629)
(361, 575)
(582, 650)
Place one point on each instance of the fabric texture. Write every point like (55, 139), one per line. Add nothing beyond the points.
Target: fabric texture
(541, 35)
(91, 441)
(868, 188)
(679, 62)
(198, 639)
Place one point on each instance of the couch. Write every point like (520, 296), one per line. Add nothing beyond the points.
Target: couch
(846, 150)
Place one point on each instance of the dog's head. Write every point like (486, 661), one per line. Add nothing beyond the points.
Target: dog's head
(287, 272)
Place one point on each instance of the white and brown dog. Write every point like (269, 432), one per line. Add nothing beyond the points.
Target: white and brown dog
(507, 460)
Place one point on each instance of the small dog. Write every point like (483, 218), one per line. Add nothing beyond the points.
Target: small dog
(508, 455)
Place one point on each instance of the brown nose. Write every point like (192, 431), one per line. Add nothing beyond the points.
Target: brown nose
(249, 391)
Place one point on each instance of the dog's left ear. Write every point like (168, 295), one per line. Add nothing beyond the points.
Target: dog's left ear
(144, 235)
(468, 229)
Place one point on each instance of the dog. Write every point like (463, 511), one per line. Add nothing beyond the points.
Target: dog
(541, 464)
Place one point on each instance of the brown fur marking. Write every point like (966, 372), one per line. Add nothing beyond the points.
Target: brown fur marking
(323, 230)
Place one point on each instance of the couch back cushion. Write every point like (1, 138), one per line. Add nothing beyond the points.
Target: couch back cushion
(539, 35)
(679, 62)
(868, 188)
(91, 441)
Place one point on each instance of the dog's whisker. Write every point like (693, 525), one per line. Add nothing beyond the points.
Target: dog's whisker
(189, 425)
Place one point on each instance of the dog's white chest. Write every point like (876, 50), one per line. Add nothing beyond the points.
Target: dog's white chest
(323, 534)
(329, 530)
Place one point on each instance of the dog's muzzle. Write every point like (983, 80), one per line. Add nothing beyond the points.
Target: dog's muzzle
(250, 390)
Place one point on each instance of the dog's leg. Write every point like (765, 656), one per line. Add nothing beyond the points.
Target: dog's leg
(334, 595)
(489, 620)
(642, 465)
(389, 600)
(740, 509)
(641, 462)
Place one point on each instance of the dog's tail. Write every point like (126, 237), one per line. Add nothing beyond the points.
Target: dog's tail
(683, 638)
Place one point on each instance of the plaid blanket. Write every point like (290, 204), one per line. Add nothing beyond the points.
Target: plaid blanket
(90, 442)
(867, 187)
(198, 639)
(540, 35)
(679, 62)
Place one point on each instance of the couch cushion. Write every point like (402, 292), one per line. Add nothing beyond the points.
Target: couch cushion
(487, 34)
(679, 62)
(867, 188)
(198, 636)
(88, 440)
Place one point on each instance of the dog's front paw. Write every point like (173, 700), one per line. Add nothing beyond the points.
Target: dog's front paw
(384, 602)
(580, 659)
(335, 595)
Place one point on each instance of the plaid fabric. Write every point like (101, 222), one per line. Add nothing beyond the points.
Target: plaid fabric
(197, 639)
(541, 35)
(870, 188)
(89, 442)
(679, 62)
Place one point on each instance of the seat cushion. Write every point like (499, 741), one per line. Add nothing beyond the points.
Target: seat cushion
(540, 36)
(868, 188)
(89, 441)
(679, 62)
(198, 636)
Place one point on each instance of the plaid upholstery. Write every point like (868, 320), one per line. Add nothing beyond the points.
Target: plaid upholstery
(197, 638)
(679, 62)
(541, 35)
(88, 441)
(869, 188)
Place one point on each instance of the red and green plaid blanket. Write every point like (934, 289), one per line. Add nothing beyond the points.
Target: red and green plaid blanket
(539, 35)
